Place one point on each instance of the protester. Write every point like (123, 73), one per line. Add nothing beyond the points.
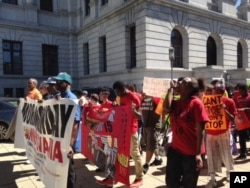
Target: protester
(106, 104)
(63, 82)
(243, 104)
(104, 97)
(132, 88)
(43, 88)
(149, 136)
(128, 98)
(52, 89)
(33, 92)
(218, 147)
(187, 118)
(82, 96)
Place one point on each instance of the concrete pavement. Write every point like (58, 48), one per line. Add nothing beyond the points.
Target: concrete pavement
(16, 174)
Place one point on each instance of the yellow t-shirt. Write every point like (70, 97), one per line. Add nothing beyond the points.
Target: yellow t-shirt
(35, 94)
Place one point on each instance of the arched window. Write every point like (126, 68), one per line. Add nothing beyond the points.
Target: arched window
(239, 56)
(211, 52)
(176, 42)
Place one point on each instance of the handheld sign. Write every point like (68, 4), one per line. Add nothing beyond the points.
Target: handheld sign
(215, 111)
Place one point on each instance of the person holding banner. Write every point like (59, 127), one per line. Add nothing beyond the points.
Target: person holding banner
(221, 111)
(63, 83)
(242, 119)
(33, 93)
(187, 118)
(127, 98)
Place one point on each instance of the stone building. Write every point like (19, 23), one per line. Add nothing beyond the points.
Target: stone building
(100, 41)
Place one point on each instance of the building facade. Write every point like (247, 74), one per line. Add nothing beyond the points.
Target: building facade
(100, 41)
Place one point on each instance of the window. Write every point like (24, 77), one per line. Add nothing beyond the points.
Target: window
(104, 2)
(46, 5)
(86, 59)
(14, 2)
(8, 92)
(20, 92)
(12, 57)
(131, 46)
(211, 52)
(176, 42)
(239, 56)
(103, 54)
(50, 59)
(87, 7)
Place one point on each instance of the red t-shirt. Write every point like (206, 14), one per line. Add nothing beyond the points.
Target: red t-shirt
(107, 104)
(231, 108)
(128, 99)
(183, 119)
(243, 102)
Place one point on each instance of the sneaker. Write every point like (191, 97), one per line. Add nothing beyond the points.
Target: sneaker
(136, 183)
(241, 156)
(106, 182)
(145, 168)
(156, 162)
(211, 184)
(27, 161)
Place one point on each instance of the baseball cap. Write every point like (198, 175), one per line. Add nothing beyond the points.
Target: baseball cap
(51, 81)
(85, 92)
(63, 76)
(219, 86)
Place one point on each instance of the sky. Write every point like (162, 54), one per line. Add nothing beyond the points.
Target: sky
(238, 3)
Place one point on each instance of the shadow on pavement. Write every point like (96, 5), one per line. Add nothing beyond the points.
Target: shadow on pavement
(160, 171)
(8, 175)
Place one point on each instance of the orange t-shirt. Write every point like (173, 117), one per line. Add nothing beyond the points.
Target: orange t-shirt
(35, 94)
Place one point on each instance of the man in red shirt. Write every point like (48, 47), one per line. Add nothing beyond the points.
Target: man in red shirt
(242, 102)
(187, 119)
(128, 98)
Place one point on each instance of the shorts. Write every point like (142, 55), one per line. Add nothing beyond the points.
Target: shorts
(149, 140)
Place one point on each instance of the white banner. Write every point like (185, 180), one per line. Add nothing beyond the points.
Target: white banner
(47, 128)
(156, 87)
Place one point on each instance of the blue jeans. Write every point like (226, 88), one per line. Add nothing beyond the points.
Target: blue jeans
(181, 167)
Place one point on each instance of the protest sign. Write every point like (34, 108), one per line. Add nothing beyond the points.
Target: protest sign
(156, 87)
(108, 144)
(215, 111)
(47, 128)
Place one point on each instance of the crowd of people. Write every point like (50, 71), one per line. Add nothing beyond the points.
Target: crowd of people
(192, 142)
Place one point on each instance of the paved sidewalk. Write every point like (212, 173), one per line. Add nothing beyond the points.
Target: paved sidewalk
(15, 173)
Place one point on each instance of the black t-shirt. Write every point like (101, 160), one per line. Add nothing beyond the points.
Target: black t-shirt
(149, 117)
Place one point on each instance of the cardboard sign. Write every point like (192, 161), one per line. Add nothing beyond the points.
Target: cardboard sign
(155, 87)
(215, 111)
